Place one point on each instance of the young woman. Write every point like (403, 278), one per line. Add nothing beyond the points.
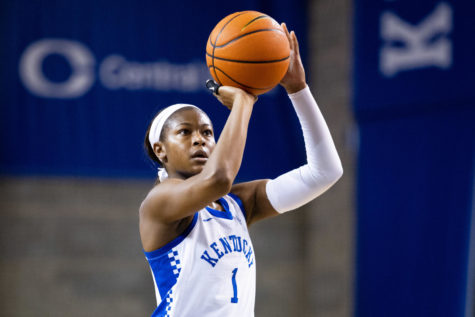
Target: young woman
(193, 222)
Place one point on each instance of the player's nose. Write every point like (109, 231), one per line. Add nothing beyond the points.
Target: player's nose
(198, 138)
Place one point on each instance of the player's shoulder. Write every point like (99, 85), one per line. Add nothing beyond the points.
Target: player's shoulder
(160, 189)
(157, 197)
(248, 193)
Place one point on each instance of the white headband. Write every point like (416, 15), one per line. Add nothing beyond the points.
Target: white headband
(157, 127)
(159, 121)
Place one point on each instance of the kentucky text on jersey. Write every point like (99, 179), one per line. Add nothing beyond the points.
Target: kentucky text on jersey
(225, 246)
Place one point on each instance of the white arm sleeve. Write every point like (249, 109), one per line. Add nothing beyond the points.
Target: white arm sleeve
(299, 186)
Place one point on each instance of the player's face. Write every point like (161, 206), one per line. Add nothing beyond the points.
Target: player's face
(189, 142)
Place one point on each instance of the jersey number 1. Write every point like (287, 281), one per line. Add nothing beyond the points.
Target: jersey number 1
(234, 299)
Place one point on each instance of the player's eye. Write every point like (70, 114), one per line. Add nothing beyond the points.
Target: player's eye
(207, 132)
(183, 131)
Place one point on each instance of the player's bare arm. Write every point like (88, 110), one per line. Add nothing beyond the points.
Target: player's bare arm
(164, 208)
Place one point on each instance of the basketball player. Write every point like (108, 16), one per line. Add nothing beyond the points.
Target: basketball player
(193, 222)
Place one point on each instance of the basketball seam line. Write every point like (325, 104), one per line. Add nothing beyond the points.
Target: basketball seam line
(216, 40)
(240, 36)
(250, 62)
(236, 80)
(253, 20)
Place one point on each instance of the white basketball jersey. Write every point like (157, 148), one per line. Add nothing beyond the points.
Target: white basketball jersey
(209, 270)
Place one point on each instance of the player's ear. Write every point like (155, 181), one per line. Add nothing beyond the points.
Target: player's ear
(160, 152)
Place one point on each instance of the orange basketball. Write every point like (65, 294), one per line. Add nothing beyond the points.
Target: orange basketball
(248, 50)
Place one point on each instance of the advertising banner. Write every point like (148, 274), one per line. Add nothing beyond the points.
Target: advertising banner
(81, 80)
(414, 100)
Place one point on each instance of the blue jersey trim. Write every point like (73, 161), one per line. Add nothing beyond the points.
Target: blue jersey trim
(239, 202)
(226, 214)
(166, 270)
(170, 245)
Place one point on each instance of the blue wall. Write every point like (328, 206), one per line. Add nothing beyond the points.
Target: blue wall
(82, 79)
(414, 100)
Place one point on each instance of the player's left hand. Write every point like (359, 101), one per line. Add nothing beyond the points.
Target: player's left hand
(294, 79)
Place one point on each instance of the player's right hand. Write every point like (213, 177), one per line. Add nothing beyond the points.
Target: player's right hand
(229, 96)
